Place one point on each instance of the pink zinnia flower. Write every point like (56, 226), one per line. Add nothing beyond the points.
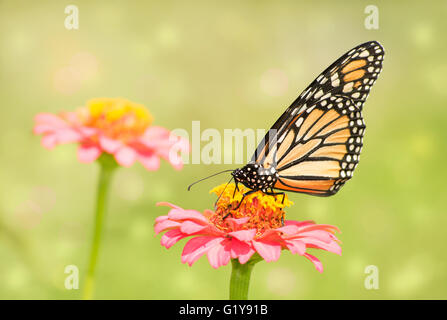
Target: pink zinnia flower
(257, 226)
(115, 126)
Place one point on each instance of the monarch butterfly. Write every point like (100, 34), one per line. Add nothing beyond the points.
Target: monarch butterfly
(315, 145)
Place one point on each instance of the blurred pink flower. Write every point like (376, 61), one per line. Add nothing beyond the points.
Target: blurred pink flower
(115, 126)
(224, 239)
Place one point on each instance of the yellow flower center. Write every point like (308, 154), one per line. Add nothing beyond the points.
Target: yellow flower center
(117, 118)
(264, 211)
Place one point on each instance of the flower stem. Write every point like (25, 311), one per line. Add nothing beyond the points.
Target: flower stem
(240, 278)
(107, 166)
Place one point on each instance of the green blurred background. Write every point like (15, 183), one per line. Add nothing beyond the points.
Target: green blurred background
(230, 65)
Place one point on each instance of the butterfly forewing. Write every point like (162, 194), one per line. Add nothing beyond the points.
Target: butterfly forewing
(315, 145)
(321, 153)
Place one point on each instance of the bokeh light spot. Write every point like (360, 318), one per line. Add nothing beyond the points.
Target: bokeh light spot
(411, 277)
(67, 80)
(128, 185)
(28, 214)
(422, 35)
(274, 82)
(281, 281)
(82, 67)
(86, 64)
(422, 145)
(168, 36)
(72, 232)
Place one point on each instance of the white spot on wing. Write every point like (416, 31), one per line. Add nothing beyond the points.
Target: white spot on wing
(299, 122)
(318, 94)
(364, 54)
(348, 87)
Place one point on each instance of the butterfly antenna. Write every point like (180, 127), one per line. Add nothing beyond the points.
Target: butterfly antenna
(189, 187)
(218, 198)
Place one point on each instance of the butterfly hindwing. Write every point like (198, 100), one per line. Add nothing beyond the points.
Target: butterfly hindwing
(316, 143)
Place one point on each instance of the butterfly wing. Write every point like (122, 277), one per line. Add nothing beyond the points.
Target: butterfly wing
(316, 143)
(320, 151)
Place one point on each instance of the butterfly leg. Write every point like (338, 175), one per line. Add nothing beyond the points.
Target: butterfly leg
(234, 193)
(273, 193)
(236, 188)
(242, 200)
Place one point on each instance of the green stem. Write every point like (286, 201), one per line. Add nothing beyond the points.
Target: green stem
(107, 166)
(240, 277)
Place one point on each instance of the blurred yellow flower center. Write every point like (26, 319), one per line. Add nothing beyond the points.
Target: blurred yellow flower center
(117, 118)
(264, 211)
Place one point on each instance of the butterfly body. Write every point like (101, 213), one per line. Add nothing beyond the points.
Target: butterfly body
(315, 145)
(256, 177)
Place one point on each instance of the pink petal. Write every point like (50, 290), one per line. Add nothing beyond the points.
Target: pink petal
(164, 144)
(273, 235)
(156, 132)
(68, 135)
(244, 258)
(244, 235)
(161, 219)
(125, 156)
(174, 152)
(109, 145)
(165, 225)
(317, 234)
(320, 227)
(88, 153)
(49, 141)
(181, 214)
(237, 223)
(190, 227)
(296, 246)
(241, 250)
(175, 161)
(50, 119)
(317, 263)
(172, 237)
(197, 247)
(171, 152)
(270, 251)
(43, 128)
(87, 131)
(315, 243)
(167, 204)
(219, 255)
(289, 230)
(298, 223)
(70, 117)
(183, 145)
(150, 162)
(208, 213)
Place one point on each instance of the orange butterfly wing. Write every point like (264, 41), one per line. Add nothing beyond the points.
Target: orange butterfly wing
(320, 154)
(315, 145)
